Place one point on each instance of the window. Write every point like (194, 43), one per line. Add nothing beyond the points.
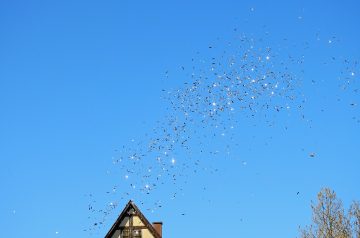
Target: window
(125, 233)
(137, 234)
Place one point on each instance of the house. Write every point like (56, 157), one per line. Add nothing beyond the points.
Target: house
(131, 223)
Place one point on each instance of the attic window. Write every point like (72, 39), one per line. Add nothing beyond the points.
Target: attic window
(125, 233)
(137, 234)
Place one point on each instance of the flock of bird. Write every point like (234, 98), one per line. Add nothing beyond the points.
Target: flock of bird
(244, 78)
(350, 85)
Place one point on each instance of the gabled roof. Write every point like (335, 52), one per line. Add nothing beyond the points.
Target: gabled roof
(123, 214)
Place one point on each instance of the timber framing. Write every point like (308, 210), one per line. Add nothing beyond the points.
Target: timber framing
(131, 205)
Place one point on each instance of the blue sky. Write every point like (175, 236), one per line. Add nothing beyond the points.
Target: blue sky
(80, 79)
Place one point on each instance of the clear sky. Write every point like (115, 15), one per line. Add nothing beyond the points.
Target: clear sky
(82, 80)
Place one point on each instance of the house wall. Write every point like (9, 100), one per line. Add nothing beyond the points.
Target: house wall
(136, 221)
(125, 222)
(145, 233)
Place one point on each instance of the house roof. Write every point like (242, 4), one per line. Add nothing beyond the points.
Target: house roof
(123, 214)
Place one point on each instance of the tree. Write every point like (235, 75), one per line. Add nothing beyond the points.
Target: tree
(330, 220)
(355, 218)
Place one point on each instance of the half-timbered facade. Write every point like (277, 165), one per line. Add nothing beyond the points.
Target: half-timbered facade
(131, 223)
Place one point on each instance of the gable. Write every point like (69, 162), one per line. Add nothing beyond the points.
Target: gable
(132, 219)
